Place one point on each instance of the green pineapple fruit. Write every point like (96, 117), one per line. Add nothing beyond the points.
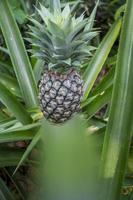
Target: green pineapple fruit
(63, 42)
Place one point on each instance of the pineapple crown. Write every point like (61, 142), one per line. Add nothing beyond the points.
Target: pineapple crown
(62, 39)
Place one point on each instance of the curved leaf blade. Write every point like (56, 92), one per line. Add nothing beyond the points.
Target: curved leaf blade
(33, 143)
(38, 69)
(100, 57)
(25, 132)
(9, 156)
(18, 55)
(10, 83)
(5, 194)
(9, 100)
(105, 83)
(120, 126)
(100, 101)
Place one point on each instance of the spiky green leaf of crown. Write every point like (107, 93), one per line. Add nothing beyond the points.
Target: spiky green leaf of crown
(61, 39)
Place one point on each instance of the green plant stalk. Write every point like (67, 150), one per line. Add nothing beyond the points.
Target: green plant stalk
(18, 55)
(120, 125)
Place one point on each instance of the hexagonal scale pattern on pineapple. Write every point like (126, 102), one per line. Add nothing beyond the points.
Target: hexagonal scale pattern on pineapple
(60, 95)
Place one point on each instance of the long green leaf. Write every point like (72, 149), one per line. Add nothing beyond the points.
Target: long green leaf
(4, 50)
(13, 136)
(6, 123)
(38, 68)
(25, 132)
(14, 183)
(5, 194)
(120, 125)
(106, 82)
(33, 143)
(2, 116)
(18, 55)
(10, 83)
(9, 156)
(13, 105)
(100, 101)
(6, 68)
(100, 57)
(92, 17)
(24, 6)
(55, 4)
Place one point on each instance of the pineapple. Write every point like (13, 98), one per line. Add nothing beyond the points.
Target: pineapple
(63, 42)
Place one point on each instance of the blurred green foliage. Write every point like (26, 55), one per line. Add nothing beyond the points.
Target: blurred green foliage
(68, 152)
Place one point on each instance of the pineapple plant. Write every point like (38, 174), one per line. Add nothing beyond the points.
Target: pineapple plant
(63, 42)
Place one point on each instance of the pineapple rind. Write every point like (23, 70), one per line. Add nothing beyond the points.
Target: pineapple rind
(60, 95)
